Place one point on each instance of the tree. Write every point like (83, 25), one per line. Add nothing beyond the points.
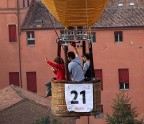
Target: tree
(46, 120)
(43, 120)
(122, 113)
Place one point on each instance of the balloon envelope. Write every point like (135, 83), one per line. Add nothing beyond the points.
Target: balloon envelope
(76, 12)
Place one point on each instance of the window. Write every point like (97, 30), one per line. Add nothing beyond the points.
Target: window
(93, 37)
(12, 33)
(14, 78)
(31, 81)
(25, 3)
(123, 78)
(131, 4)
(98, 74)
(120, 4)
(124, 86)
(39, 23)
(101, 114)
(30, 38)
(118, 36)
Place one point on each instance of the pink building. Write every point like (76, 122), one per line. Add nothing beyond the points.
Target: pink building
(118, 50)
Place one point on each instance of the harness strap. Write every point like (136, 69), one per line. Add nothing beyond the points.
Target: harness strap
(78, 64)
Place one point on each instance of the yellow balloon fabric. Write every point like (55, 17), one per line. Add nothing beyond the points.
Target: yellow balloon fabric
(76, 12)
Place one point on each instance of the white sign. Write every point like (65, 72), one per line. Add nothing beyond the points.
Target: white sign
(79, 97)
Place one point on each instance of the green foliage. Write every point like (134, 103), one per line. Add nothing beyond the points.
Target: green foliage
(46, 120)
(122, 113)
(43, 120)
(56, 122)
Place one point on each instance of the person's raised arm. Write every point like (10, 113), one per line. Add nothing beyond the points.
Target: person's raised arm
(76, 52)
(75, 49)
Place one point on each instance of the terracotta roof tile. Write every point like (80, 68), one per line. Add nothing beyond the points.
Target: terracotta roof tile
(114, 16)
(8, 97)
(131, 17)
(16, 97)
(122, 16)
(38, 11)
(13, 94)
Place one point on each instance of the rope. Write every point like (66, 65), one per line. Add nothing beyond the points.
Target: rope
(89, 28)
(86, 12)
(53, 26)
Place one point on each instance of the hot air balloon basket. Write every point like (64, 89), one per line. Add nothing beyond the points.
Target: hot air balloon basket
(58, 103)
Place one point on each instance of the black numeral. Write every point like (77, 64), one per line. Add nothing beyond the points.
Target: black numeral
(74, 101)
(75, 97)
(83, 96)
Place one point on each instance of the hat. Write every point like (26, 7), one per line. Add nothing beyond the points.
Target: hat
(86, 55)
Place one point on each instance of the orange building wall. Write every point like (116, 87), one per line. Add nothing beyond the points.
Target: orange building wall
(8, 4)
(9, 55)
(33, 57)
(9, 51)
(110, 56)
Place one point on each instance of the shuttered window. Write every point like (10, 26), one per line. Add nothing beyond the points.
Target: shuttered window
(31, 81)
(98, 74)
(123, 78)
(14, 78)
(12, 33)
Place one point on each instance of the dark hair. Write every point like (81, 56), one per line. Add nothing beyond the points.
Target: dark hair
(86, 55)
(59, 60)
(71, 54)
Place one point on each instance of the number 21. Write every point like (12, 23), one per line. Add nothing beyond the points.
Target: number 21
(74, 101)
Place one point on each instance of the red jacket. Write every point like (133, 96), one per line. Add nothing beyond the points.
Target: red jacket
(59, 70)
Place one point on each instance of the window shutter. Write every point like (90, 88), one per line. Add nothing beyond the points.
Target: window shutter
(14, 78)
(12, 33)
(98, 73)
(31, 81)
(123, 76)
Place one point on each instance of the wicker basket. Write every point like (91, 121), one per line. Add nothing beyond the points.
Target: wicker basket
(58, 104)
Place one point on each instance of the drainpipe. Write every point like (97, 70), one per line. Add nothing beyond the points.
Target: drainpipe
(19, 45)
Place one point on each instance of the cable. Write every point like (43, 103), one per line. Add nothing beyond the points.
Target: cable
(89, 28)
(86, 12)
(53, 25)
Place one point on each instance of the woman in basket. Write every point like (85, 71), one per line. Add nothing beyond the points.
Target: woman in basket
(58, 68)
